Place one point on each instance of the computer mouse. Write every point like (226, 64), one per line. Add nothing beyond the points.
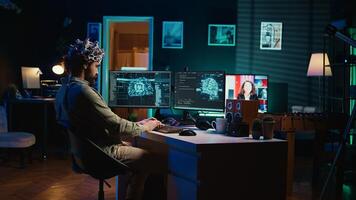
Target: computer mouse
(187, 132)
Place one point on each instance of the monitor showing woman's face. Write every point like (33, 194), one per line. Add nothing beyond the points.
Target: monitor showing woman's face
(247, 87)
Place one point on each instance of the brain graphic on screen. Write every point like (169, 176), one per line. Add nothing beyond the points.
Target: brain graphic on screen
(210, 87)
(140, 87)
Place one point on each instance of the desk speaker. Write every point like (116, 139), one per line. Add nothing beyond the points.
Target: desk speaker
(242, 110)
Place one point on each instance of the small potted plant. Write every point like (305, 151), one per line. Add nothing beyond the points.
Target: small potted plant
(268, 127)
(257, 129)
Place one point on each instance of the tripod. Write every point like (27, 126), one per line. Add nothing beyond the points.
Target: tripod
(332, 30)
(339, 152)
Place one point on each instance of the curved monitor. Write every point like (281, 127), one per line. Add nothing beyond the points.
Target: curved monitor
(202, 91)
(140, 89)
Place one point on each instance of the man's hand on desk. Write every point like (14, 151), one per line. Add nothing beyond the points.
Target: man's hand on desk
(143, 122)
(126, 143)
(150, 124)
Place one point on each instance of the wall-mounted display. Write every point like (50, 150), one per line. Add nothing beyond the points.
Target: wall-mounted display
(271, 36)
(221, 35)
(172, 34)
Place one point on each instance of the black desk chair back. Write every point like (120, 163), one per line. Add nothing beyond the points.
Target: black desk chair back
(90, 159)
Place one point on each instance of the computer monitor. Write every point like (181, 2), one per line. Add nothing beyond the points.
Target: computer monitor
(202, 91)
(234, 82)
(140, 89)
(31, 77)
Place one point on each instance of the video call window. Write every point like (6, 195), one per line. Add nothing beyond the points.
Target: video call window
(199, 91)
(151, 89)
(258, 89)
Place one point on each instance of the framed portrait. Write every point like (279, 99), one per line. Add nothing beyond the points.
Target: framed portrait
(271, 36)
(221, 35)
(172, 34)
(94, 31)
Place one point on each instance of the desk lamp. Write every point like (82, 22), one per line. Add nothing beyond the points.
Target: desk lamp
(58, 69)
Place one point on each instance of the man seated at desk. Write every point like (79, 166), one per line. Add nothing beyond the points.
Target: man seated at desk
(80, 106)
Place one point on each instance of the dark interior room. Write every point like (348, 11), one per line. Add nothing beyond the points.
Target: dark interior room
(177, 100)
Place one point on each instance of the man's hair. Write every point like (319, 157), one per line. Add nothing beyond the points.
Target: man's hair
(82, 53)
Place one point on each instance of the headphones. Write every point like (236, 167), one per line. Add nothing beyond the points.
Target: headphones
(200, 123)
(203, 124)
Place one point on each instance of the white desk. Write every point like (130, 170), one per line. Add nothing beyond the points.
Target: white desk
(213, 166)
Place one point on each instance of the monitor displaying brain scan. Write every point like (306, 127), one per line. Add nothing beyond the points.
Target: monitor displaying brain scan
(199, 91)
(140, 89)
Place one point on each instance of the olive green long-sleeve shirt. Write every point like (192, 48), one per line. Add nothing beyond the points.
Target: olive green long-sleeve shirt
(80, 106)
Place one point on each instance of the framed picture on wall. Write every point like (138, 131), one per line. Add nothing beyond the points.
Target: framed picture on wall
(172, 34)
(94, 34)
(271, 36)
(94, 31)
(221, 35)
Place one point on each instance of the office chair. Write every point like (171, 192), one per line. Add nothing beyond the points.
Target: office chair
(90, 159)
(21, 140)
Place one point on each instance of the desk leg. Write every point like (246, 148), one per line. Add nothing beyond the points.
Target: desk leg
(10, 128)
(339, 173)
(121, 185)
(44, 132)
(291, 161)
(318, 148)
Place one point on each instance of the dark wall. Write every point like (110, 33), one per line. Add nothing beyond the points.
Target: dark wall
(196, 14)
(29, 38)
(38, 35)
(303, 24)
(197, 55)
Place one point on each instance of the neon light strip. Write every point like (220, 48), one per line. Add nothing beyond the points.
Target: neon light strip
(352, 74)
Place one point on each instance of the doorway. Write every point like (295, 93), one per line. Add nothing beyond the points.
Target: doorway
(128, 43)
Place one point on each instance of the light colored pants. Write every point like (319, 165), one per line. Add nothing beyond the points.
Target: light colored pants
(141, 162)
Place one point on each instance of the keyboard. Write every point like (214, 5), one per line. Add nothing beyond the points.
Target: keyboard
(168, 129)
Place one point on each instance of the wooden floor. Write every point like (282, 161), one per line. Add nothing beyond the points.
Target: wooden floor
(53, 179)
